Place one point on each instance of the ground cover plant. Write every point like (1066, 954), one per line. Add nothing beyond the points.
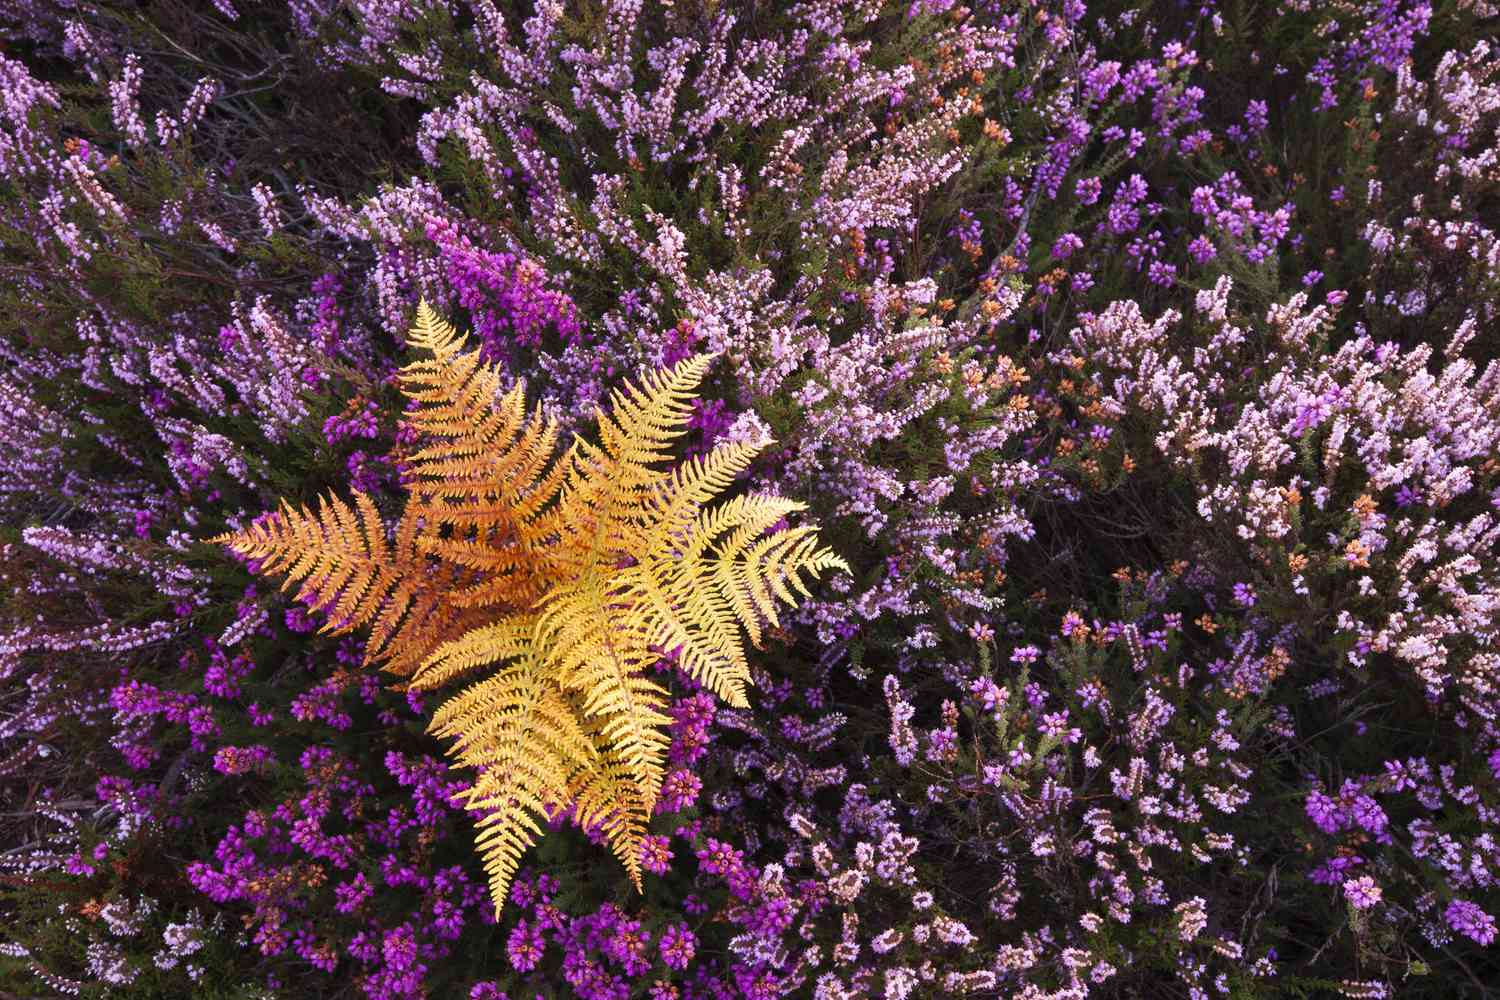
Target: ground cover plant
(1121, 374)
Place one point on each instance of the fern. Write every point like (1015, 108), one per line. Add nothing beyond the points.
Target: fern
(566, 574)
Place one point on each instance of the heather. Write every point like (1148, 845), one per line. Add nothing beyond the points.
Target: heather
(1135, 357)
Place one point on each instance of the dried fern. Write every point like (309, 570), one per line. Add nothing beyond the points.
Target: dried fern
(566, 574)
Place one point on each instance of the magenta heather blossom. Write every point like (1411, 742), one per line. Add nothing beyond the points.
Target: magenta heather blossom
(677, 946)
(656, 854)
(1470, 921)
(679, 790)
(505, 294)
(524, 947)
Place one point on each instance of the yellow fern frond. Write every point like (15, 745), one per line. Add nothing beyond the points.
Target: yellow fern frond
(644, 420)
(520, 734)
(607, 486)
(487, 467)
(340, 557)
(588, 644)
(559, 580)
(607, 796)
(502, 641)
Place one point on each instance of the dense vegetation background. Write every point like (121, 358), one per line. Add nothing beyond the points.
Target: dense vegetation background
(1138, 357)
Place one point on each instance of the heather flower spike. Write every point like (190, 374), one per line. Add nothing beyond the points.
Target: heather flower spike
(568, 574)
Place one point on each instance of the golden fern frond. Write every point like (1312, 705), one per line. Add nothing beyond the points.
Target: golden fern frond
(780, 558)
(644, 420)
(706, 650)
(486, 472)
(486, 463)
(607, 797)
(568, 575)
(585, 639)
(608, 485)
(695, 601)
(527, 749)
(341, 558)
(501, 641)
(680, 497)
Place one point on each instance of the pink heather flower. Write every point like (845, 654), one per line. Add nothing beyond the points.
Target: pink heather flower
(1066, 245)
(399, 947)
(1191, 918)
(350, 896)
(678, 945)
(719, 858)
(656, 854)
(1362, 892)
(989, 694)
(678, 791)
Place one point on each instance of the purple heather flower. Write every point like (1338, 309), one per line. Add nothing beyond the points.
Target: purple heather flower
(1325, 813)
(1470, 921)
(525, 946)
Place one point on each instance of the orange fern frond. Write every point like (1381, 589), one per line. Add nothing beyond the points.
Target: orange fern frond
(566, 575)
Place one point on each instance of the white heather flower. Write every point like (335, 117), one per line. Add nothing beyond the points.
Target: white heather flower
(1191, 918)
(885, 941)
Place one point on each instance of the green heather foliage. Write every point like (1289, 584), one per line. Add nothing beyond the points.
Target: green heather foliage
(1135, 355)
